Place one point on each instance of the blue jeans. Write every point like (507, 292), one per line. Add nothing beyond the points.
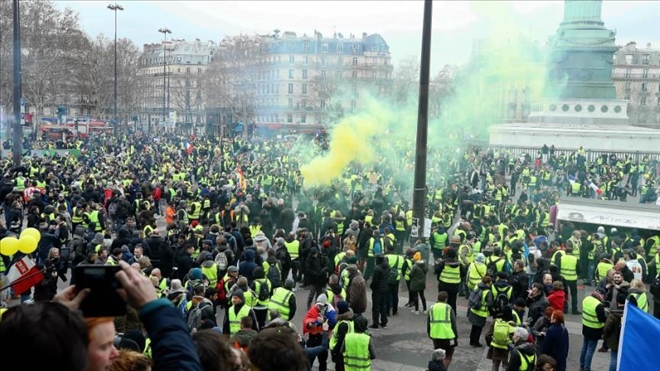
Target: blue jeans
(592, 270)
(587, 353)
(613, 355)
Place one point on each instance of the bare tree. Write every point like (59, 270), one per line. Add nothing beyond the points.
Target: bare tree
(440, 89)
(406, 79)
(232, 76)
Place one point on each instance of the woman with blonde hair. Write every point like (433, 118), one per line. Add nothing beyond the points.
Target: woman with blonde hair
(638, 295)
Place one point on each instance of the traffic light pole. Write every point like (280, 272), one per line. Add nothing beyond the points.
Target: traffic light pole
(18, 87)
(419, 193)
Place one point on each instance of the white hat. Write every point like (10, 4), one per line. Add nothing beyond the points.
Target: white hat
(601, 229)
(613, 230)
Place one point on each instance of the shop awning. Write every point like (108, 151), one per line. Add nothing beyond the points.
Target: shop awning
(610, 213)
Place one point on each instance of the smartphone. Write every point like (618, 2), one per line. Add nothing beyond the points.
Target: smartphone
(103, 299)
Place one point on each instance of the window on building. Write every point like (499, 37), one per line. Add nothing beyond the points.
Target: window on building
(628, 72)
(642, 101)
(199, 71)
(355, 48)
(354, 74)
(188, 71)
(303, 104)
(305, 47)
(303, 118)
(629, 59)
(374, 61)
(373, 75)
(658, 102)
(290, 88)
(304, 74)
(355, 60)
(353, 104)
(290, 74)
(305, 60)
(292, 46)
(628, 85)
(645, 73)
(290, 102)
(323, 103)
(304, 88)
(289, 118)
(323, 62)
(292, 59)
(374, 48)
(340, 47)
(645, 86)
(324, 48)
(323, 73)
(646, 58)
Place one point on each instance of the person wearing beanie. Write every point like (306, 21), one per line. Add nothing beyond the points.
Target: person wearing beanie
(344, 325)
(284, 300)
(593, 321)
(448, 271)
(235, 313)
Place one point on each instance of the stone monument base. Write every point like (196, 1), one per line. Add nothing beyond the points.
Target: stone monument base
(601, 138)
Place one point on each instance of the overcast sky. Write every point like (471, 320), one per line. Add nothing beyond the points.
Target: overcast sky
(455, 23)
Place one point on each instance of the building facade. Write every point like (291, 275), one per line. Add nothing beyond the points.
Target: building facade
(174, 71)
(315, 79)
(636, 75)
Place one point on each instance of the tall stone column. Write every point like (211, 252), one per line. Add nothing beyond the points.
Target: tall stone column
(582, 10)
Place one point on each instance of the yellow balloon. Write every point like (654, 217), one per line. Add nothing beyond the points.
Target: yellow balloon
(33, 232)
(8, 246)
(27, 244)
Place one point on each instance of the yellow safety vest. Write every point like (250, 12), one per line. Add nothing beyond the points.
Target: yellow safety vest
(450, 274)
(235, 319)
(483, 310)
(642, 301)
(477, 272)
(293, 248)
(335, 336)
(526, 361)
(280, 301)
(356, 352)
(469, 256)
(440, 322)
(211, 273)
(569, 267)
(589, 316)
(395, 262)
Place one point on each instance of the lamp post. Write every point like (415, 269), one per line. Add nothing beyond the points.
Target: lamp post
(419, 193)
(115, 7)
(164, 31)
(18, 87)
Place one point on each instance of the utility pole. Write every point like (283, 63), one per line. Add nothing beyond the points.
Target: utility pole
(164, 31)
(419, 193)
(18, 87)
(115, 7)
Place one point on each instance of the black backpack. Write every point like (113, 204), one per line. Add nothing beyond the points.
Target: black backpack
(491, 268)
(264, 293)
(501, 300)
(474, 300)
(274, 275)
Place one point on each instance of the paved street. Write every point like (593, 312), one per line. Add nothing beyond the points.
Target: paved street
(404, 345)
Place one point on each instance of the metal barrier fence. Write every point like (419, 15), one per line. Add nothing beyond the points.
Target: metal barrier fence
(590, 155)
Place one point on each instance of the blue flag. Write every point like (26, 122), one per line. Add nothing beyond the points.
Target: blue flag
(638, 349)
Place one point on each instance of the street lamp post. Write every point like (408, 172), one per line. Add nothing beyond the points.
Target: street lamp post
(115, 7)
(164, 31)
(18, 87)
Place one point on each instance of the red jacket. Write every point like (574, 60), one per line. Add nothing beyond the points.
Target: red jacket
(158, 193)
(557, 298)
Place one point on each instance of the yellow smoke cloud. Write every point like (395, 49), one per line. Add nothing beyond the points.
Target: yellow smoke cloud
(351, 140)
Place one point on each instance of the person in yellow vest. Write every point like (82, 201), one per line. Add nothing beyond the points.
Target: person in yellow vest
(210, 269)
(449, 275)
(358, 350)
(234, 314)
(523, 354)
(498, 337)
(638, 295)
(284, 300)
(395, 262)
(603, 267)
(441, 327)
(570, 270)
(593, 321)
(343, 327)
(476, 271)
(478, 314)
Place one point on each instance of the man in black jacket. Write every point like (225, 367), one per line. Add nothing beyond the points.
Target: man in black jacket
(379, 289)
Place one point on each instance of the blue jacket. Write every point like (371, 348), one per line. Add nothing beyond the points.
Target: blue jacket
(171, 345)
(556, 345)
(316, 351)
